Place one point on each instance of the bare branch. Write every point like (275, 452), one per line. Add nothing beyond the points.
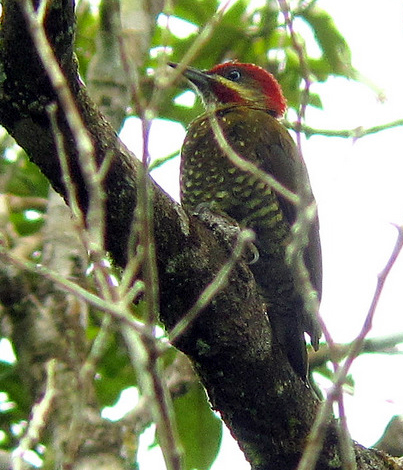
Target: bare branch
(316, 437)
(115, 310)
(248, 166)
(38, 421)
(337, 352)
(144, 357)
(355, 133)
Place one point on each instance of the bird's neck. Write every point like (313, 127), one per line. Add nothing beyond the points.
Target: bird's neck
(219, 109)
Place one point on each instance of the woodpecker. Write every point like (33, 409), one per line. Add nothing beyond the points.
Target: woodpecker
(246, 102)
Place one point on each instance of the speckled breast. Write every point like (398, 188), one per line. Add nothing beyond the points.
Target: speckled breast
(208, 176)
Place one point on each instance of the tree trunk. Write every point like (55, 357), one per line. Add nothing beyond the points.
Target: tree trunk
(268, 409)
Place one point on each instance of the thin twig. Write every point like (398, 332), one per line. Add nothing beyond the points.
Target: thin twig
(168, 80)
(303, 63)
(160, 161)
(338, 351)
(248, 166)
(216, 285)
(98, 348)
(145, 358)
(306, 214)
(38, 420)
(71, 190)
(145, 216)
(116, 310)
(95, 216)
(347, 453)
(306, 208)
(355, 133)
(145, 352)
(82, 140)
(318, 432)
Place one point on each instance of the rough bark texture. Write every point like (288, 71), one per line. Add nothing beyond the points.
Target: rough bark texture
(267, 407)
(43, 328)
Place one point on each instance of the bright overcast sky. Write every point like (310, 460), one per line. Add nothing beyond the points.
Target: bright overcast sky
(359, 189)
(359, 186)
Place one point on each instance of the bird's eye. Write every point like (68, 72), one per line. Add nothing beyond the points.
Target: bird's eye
(234, 75)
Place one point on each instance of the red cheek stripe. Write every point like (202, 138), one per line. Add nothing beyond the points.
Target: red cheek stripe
(226, 94)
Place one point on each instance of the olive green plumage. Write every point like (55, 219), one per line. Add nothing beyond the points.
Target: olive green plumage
(245, 102)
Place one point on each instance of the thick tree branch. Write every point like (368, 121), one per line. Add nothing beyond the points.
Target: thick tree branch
(269, 410)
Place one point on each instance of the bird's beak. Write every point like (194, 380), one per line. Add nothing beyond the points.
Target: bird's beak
(199, 79)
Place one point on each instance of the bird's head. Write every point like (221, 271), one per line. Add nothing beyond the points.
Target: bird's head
(234, 83)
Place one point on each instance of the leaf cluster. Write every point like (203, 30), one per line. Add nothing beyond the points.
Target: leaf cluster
(257, 35)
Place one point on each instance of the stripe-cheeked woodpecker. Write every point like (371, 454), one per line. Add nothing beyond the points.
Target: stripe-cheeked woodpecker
(246, 102)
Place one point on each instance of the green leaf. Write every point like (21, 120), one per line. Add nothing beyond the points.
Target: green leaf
(330, 40)
(326, 371)
(157, 163)
(27, 179)
(315, 100)
(114, 373)
(25, 226)
(199, 429)
(10, 383)
(19, 399)
(87, 27)
(198, 12)
(320, 68)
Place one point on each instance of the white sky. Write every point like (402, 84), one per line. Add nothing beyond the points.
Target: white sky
(359, 190)
(356, 225)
